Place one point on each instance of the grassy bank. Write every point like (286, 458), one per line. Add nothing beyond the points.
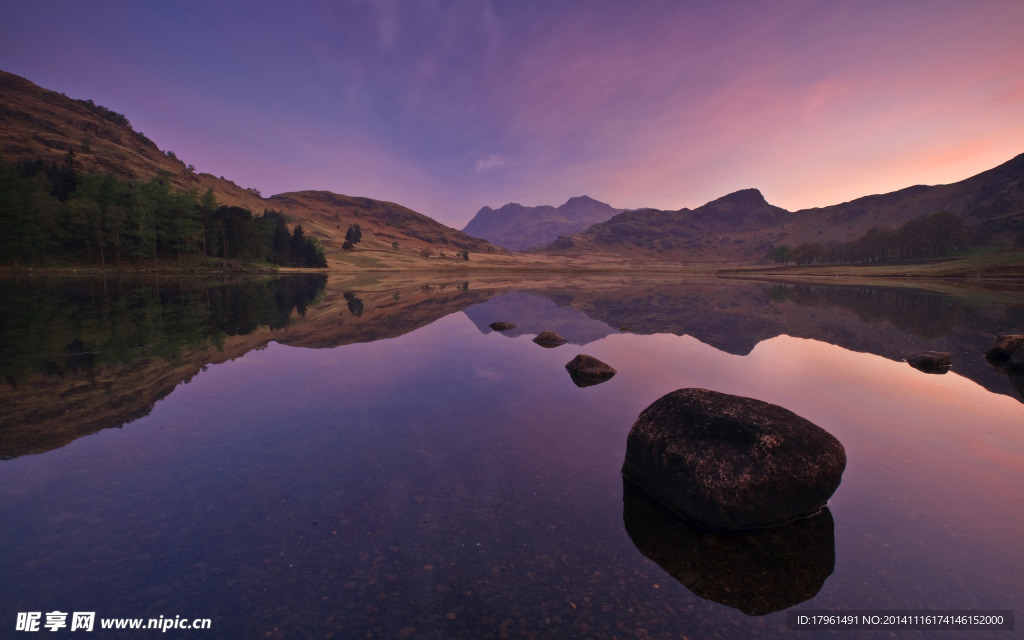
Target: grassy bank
(1002, 264)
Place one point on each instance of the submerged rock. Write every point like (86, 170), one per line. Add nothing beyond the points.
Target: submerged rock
(726, 462)
(757, 572)
(502, 326)
(1008, 351)
(549, 339)
(587, 371)
(930, 361)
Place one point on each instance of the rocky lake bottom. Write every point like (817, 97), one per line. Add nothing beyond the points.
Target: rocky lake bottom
(368, 459)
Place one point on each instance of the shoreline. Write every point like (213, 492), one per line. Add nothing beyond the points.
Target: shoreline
(1005, 265)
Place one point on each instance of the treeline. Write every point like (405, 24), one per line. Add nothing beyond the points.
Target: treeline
(924, 237)
(50, 211)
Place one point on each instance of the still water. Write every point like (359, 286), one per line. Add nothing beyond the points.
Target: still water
(367, 459)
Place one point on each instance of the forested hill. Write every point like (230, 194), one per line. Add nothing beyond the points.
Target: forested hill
(47, 134)
(38, 124)
(53, 215)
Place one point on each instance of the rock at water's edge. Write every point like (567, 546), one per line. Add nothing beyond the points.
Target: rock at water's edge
(587, 371)
(502, 326)
(549, 339)
(930, 361)
(726, 462)
(1003, 351)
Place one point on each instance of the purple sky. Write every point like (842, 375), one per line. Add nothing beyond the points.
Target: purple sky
(448, 106)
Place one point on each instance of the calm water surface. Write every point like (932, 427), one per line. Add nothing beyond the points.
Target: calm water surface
(368, 460)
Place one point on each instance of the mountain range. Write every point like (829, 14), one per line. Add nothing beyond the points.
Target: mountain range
(39, 124)
(518, 228)
(743, 226)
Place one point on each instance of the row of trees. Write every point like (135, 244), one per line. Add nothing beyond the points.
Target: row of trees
(52, 211)
(233, 233)
(929, 236)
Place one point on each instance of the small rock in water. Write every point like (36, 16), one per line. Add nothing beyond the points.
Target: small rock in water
(726, 462)
(930, 361)
(502, 326)
(587, 370)
(549, 339)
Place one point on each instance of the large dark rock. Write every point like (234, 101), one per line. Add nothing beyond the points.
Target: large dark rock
(1003, 351)
(587, 371)
(502, 326)
(549, 339)
(726, 462)
(757, 571)
(930, 361)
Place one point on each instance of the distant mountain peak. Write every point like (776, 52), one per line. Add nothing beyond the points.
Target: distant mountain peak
(518, 227)
(581, 199)
(743, 197)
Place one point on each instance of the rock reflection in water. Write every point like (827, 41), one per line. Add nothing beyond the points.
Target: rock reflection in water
(757, 572)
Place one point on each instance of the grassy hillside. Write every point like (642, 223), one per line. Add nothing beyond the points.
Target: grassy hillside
(38, 124)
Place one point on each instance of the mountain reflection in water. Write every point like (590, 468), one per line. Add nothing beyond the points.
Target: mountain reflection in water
(64, 342)
(364, 457)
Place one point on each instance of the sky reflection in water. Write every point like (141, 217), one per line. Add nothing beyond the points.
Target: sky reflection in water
(449, 481)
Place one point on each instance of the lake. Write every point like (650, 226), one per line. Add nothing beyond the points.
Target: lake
(362, 457)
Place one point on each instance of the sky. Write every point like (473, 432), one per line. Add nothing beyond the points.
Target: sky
(447, 106)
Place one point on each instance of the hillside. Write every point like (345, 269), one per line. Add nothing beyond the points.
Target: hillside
(742, 227)
(738, 224)
(328, 216)
(518, 227)
(37, 123)
(992, 202)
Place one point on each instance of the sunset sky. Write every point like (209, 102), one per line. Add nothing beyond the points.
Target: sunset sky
(446, 106)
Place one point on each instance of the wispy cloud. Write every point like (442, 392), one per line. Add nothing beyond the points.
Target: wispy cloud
(489, 163)
(445, 106)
